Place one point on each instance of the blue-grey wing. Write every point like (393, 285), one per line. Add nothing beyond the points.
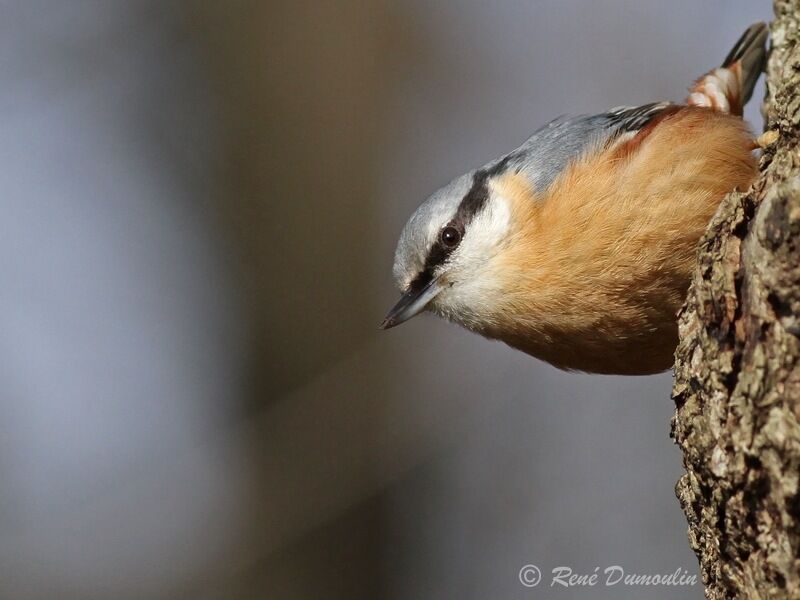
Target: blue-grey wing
(553, 147)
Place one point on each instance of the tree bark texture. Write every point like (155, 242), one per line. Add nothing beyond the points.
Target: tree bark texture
(737, 369)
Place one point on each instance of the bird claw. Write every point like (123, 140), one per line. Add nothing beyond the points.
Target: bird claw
(767, 138)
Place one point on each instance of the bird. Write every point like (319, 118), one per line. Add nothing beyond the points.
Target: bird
(578, 247)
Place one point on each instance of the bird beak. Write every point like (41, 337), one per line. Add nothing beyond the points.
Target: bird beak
(411, 304)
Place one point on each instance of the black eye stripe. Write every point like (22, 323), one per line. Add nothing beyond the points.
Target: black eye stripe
(472, 203)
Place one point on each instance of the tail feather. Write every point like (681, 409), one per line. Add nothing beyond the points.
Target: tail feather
(751, 52)
(729, 87)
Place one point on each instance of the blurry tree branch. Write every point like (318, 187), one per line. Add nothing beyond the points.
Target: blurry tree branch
(737, 370)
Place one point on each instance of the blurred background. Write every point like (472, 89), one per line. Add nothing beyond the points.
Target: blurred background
(200, 205)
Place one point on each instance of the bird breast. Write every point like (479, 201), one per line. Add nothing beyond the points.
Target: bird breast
(596, 267)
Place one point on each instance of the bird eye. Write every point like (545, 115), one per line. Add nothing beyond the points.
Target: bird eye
(450, 236)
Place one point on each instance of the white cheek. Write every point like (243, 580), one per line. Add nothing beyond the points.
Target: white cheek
(487, 233)
(475, 283)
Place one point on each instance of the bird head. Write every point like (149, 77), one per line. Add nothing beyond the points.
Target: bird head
(443, 261)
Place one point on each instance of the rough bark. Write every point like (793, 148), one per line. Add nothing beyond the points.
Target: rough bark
(737, 370)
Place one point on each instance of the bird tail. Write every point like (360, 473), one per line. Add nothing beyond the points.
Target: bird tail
(729, 87)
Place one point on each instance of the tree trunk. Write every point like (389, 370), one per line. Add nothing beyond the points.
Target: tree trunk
(737, 369)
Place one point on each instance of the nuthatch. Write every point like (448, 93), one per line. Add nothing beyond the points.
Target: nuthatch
(578, 246)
